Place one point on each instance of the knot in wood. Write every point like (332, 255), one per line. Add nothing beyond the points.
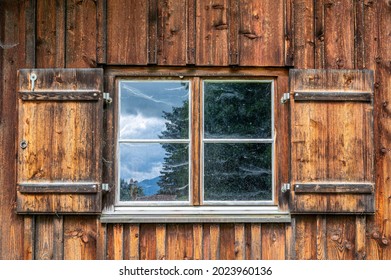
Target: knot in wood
(384, 241)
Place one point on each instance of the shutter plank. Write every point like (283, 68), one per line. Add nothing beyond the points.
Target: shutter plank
(59, 171)
(332, 142)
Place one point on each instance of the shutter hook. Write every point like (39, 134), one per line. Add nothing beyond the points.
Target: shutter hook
(33, 77)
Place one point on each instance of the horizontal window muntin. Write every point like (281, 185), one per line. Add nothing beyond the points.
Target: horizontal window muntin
(145, 91)
(228, 140)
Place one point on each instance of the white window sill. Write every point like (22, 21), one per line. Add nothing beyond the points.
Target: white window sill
(194, 214)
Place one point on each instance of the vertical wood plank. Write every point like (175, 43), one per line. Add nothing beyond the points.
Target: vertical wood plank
(127, 29)
(172, 33)
(360, 245)
(11, 56)
(340, 238)
(290, 237)
(304, 41)
(234, 32)
(81, 34)
(273, 242)
(256, 242)
(262, 33)
(226, 241)
(101, 39)
(196, 105)
(191, 32)
(359, 31)
(50, 47)
(134, 233)
(198, 241)
(206, 242)
(80, 237)
(240, 242)
(58, 238)
(44, 238)
(101, 243)
(110, 242)
(305, 238)
(319, 35)
(179, 241)
(118, 236)
(339, 34)
(289, 35)
(321, 238)
(152, 40)
(161, 238)
(30, 32)
(147, 242)
(29, 238)
(214, 241)
(212, 32)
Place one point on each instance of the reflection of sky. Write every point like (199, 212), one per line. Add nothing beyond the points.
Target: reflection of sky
(141, 161)
(143, 104)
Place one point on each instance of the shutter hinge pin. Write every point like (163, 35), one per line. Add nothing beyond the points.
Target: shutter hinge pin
(105, 187)
(107, 98)
(285, 97)
(285, 187)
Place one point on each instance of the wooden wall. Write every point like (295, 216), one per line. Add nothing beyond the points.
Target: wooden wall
(345, 34)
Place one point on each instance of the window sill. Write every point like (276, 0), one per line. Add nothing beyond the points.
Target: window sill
(204, 214)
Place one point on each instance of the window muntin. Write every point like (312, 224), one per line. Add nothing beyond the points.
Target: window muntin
(237, 142)
(153, 142)
(251, 109)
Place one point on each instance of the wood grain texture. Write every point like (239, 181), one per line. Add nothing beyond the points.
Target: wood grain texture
(198, 241)
(127, 29)
(212, 32)
(179, 242)
(305, 238)
(147, 241)
(340, 238)
(161, 237)
(240, 242)
(227, 241)
(81, 33)
(261, 32)
(273, 242)
(44, 241)
(29, 238)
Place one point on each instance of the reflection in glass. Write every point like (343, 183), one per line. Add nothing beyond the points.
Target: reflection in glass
(237, 110)
(154, 172)
(148, 108)
(237, 171)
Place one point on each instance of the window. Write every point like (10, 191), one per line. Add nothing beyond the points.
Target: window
(193, 143)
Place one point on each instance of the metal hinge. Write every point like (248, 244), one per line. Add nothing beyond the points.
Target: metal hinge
(285, 187)
(285, 97)
(107, 98)
(105, 187)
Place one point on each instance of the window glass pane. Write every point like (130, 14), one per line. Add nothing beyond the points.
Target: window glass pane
(237, 109)
(154, 172)
(150, 108)
(237, 171)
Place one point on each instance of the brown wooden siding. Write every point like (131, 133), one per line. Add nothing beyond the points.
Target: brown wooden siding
(344, 34)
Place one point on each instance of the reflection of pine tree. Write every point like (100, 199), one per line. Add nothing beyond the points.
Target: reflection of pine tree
(130, 190)
(175, 172)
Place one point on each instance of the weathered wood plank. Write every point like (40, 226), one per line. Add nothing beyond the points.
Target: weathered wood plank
(319, 40)
(256, 242)
(273, 242)
(58, 188)
(134, 242)
(30, 32)
(214, 242)
(234, 25)
(80, 237)
(161, 237)
(304, 31)
(101, 25)
(227, 242)
(172, 33)
(240, 242)
(58, 237)
(147, 236)
(44, 238)
(29, 238)
(81, 33)
(212, 32)
(262, 33)
(360, 237)
(305, 238)
(179, 241)
(290, 240)
(339, 35)
(101, 240)
(11, 233)
(59, 96)
(118, 240)
(340, 238)
(198, 241)
(191, 32)
(196, 142)
(289, 32)
(127, 29)
(333, 96)
(152, 41)
(321, 238)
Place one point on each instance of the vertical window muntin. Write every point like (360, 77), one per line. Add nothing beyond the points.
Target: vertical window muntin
(153, 141)
(205, 140)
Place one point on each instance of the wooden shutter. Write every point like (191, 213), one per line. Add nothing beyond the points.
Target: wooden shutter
(59, 140)
(332, 150)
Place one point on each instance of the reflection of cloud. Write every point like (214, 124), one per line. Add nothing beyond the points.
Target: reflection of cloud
(141, 127)
(138, 93)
